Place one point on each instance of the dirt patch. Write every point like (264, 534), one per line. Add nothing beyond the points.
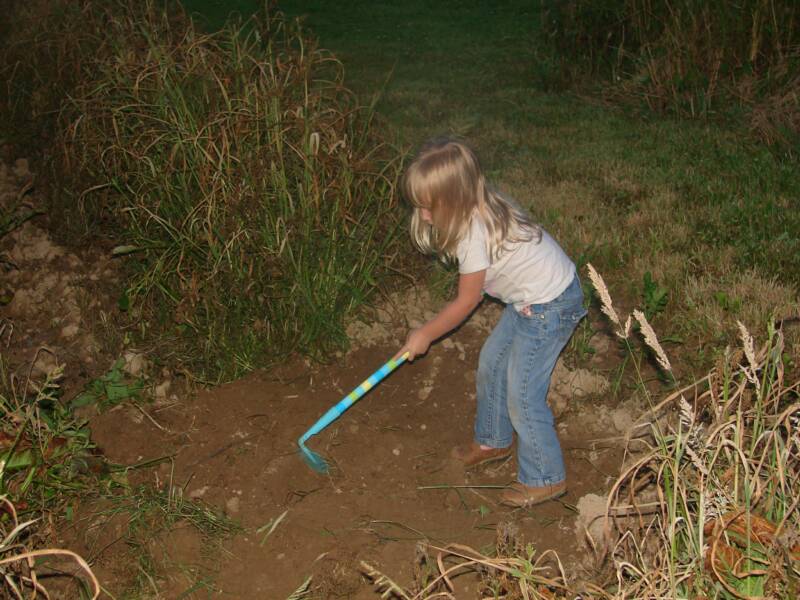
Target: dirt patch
(232, 450)
(392, 483)
(49, 294)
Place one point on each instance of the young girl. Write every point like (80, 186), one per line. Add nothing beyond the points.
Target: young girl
(500, 252)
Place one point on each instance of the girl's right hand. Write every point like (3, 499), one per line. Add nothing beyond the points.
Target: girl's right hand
(417, 344)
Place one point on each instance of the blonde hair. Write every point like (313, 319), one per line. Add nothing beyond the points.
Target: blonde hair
(446, 179)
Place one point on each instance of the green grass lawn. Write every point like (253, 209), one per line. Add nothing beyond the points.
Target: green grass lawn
(709, 213)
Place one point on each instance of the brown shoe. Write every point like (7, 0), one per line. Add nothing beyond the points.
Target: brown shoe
(473, 455)
(519, 495)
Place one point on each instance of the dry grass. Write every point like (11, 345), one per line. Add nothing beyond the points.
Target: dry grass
(18, 567)
(710, 498)
(517, 573)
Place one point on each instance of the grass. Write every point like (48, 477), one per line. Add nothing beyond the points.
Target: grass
(233, 171)
(702, 208)
(146, 506)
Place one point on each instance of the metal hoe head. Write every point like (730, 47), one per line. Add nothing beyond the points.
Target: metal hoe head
(313, 460)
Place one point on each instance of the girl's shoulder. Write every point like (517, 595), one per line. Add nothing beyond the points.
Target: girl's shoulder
(476, 226)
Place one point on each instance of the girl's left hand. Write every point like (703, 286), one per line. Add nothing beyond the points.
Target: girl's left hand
(417, 344)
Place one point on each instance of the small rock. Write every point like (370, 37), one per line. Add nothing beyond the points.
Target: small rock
(232, 505)
(69, 331)
(448, 344)
(45, 364)
(396, 451)
(600, 344)
(622, 419)
(592, 520)
(424, 392)
(558, 403)
(162, 389)
(198, 493)
(135, 363)
(579, 383)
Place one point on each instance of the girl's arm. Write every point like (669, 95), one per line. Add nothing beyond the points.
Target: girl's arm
(470, 293)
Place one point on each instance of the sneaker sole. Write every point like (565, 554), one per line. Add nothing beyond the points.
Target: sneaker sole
(533, 502)
(487, 461)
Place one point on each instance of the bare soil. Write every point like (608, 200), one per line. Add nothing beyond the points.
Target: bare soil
(392, 483)
(233, 449)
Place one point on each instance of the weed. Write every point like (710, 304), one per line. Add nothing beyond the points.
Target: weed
(47, 454)
(721, 503)
(654, 297)
(529, 574)
(110, 389)
(580, 342)
(46, 459)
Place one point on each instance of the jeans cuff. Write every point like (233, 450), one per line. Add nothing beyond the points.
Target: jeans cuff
(542, 481)
(492, 443)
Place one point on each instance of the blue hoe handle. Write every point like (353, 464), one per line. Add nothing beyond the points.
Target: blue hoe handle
(335, 411)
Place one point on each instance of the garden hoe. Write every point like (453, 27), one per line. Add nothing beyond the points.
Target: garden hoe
(314, 460)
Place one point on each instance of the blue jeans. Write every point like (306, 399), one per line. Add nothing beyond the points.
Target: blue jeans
(514, 371)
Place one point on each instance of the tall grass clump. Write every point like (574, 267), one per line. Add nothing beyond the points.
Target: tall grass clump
(707, 504)
(238, 176)
(690, 57)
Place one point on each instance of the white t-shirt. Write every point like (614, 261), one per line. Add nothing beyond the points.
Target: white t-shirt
(526, 273)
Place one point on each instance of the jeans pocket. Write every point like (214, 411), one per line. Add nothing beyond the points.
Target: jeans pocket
(531, 312)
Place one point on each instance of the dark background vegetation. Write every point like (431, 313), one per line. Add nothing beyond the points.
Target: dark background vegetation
(239, 176)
